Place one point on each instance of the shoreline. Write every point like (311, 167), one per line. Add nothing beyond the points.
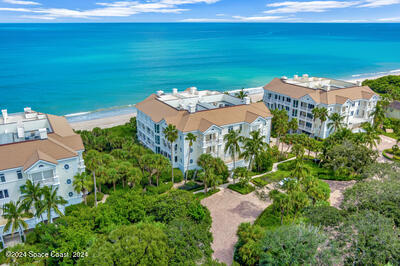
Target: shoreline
(116, 118)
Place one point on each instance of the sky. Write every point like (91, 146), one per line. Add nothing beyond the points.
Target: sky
(199, 11)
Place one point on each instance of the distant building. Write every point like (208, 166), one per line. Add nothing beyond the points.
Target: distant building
(393, 110)
(299, 95)
(42, 148)
(207, 114)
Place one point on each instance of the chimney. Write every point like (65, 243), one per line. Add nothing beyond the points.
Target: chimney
(192, 108)
(247, 100)
(159, 93)
(43, 133)
(5, 115)
(174, 91)
(193, 90)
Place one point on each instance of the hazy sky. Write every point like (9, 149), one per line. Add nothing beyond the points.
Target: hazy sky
(199, 11)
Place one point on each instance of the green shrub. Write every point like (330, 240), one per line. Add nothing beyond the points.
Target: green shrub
(191, 185)
(259, 181)
(166, 175)
(202, 195)
(246, 189)
(323, 215)
(268, 218)
(162, 188)
(90, 198)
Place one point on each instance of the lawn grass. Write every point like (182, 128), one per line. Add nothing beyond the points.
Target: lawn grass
(259, 182)
(121, 131)
(241, 189)
(202, 195)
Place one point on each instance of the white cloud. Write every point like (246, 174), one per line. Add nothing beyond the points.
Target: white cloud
(38, 17)
(20, 2)
(396, 19)
(14, 9)
(378, 3)
(258, 18)
(206, 20)
(116, 9)
(311, 6)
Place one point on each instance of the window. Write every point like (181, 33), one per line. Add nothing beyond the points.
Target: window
(288, 100)
(66, 166)
(70, 194)
(311, 106)
(4, 194)
(157, 139)
(276, 96)
(69, 181)
(230, 128)
(269, 95)
(191, 161)
(176, 147)
(40, 166)
(157, 128)
(309, 125)
(287, 108)
(2, 178)
(352, 113)
(357, 112)
(294, 112)
(157, 149)
(19, 174)
(176, 159)
(191, 149)
(295, 103)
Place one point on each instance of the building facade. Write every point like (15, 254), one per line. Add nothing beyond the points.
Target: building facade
(300, 95)
(393, 110)
(209, 115)
(38, 147)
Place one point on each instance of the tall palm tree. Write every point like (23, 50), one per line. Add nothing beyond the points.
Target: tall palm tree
(241, 94)
(323, 116)
(51, 201)
(371, 135)
(171, 134)
(232, 146)
(191, 138)
(206, 161)
(160, 163)
(82, 184)
(93, 161)
(135, 175)
(15, 213)
(379, 114)
(336, 121)
(113, 176)
(31, 196)
(252, 147)
(316, 113)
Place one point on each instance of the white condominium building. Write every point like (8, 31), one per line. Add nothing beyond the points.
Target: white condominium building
(38, 147)
(299, 95)
(209, 115)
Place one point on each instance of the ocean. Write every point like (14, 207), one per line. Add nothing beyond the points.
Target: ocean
(78, 68)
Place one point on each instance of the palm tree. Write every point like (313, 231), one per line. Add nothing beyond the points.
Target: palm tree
(15, 213)
(379, 114)
(336, 121)
(241, 94)
(371, 135)
(232, 140)
(123, 169)
(113, 176)
(31, 196)
(191, 138)
(51, 201)
(82, 184)
(134, 176)
(205, 161)
(253, 146)
(93, 161)
(323, 116)
(281, 201)
(171, 134)
(316, 113)
(160, 163)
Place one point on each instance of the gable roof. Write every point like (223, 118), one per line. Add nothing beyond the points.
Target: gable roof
(63, 143)
(334, 96)
(201, 120)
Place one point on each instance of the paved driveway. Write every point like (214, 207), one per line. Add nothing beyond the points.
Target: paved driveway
(228, 210)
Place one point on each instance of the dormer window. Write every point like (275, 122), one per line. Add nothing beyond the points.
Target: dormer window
(19, 174)
(2, 178)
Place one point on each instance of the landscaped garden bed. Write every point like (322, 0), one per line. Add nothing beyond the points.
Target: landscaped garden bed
(202, 195)
(242, 189)
(393, 155)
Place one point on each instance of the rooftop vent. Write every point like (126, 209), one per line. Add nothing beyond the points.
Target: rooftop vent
(247, 100)
(5, 115)
(192, 108)
(295, 77)
(43, 133)
(27, 110)
(359, 83)
(175, 91)
(193, 90)
(20, 132)
(305, 76)
(159, 93)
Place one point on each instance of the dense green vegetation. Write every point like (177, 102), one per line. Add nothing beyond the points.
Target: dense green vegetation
(132, 227)
(388, 85)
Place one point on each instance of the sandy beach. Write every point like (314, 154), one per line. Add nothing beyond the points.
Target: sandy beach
(112, 121)
(106, 122)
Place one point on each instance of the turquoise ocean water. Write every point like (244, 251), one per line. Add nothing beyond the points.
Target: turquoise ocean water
(73, 68)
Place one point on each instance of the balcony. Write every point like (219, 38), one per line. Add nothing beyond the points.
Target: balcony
(48, 181)
(211, 142)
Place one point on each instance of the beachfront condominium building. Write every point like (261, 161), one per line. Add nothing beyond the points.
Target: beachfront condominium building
(209, 115)
(42, 148)
(300, 95)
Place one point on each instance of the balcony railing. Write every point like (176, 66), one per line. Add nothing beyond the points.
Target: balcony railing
(48, 181)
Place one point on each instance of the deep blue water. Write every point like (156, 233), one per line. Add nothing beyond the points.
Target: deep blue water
(70, 68)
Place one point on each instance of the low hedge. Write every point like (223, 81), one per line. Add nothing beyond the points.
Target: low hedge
(388, 151)
(162, 188)
(259, 181)
(190, 186)
(241, 189)
(90, 198)
(202, 195)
